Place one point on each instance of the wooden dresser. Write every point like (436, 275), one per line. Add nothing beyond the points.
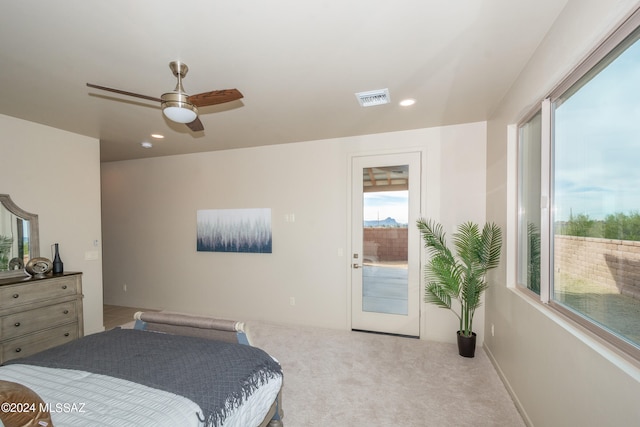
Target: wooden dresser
(37, 314)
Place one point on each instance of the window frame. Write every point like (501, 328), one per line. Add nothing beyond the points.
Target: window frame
(521, 234)
(546, 107)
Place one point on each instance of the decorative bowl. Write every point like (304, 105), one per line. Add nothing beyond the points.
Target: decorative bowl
(38, 267)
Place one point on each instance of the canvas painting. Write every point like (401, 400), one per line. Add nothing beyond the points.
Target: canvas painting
(234, 230)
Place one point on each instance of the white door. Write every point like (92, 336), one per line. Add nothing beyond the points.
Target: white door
(385, 258)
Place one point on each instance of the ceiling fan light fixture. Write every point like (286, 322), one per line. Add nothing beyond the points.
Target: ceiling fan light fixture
(177, 108)
(182, 114)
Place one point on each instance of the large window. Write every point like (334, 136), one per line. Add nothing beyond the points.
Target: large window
(589, 172)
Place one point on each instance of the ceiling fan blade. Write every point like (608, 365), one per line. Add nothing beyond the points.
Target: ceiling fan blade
(122, 92)
(196, 125)
(215, 97)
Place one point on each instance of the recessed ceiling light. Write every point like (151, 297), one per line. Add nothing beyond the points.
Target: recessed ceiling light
(146, 144)
(157, 136)
(407, 102)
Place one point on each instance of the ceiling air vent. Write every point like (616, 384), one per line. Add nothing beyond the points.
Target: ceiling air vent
(373, 97)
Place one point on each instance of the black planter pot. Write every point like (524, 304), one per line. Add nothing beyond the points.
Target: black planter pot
(467, 345)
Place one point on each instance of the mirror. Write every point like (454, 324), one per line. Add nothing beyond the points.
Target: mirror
(19, 239)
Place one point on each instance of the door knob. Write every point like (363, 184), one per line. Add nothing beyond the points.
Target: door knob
(356, 266)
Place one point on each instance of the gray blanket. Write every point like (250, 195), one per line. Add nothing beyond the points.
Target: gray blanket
(218, 376)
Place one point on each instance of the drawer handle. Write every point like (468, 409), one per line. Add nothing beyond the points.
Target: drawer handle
(64, 286)
(66, 312)
(16, 324)
(18, 350)
(66, 334)
(16, 295)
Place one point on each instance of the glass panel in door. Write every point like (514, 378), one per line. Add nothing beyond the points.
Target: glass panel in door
(384, 246)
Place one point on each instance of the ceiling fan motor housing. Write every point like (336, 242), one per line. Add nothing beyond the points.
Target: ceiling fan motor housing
(176, 107)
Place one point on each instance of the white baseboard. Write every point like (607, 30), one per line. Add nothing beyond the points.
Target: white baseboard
(505, 381)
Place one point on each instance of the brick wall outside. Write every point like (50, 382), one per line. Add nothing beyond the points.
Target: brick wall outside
(385, 244)
(611, 263)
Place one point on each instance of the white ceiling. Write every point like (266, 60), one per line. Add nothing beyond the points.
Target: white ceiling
(298, 64)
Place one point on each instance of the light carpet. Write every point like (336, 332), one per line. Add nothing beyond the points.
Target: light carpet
(353, 379)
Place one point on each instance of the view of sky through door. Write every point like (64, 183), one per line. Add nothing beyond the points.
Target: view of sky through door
(384, 205)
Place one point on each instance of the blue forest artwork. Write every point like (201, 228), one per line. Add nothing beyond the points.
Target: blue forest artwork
(234, 230)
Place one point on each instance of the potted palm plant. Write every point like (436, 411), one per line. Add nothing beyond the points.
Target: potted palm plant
(461, 276)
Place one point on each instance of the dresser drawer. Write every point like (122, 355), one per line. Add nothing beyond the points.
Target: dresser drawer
(26, 293)
(26, 322)
(34, 343)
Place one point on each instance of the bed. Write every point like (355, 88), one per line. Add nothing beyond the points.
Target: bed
(169, 369)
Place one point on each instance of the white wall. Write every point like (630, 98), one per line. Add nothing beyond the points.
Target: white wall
(558, 374)
(56, 175)
(149, 225)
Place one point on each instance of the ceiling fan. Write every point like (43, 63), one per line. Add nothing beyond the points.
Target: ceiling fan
(177, 105)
